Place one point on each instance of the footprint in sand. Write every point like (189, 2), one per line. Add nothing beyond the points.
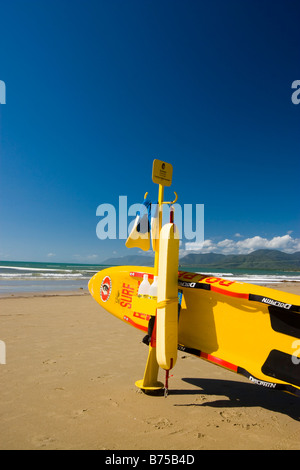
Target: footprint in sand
(113, 403)
(159, 423)
(201, 399)
(236, 418)
(79, 413)
(42, 441)
(102, 378)
(229, 416)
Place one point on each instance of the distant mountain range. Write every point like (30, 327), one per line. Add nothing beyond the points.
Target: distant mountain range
(260, 259)
(130, 260)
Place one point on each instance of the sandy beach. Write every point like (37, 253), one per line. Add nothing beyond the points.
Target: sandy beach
(69, 383)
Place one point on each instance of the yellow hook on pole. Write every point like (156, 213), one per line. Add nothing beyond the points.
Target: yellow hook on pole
(171, 202)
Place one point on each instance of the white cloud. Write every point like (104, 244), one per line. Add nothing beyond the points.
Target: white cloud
(50, 255)
(86, 258)
(285, 243)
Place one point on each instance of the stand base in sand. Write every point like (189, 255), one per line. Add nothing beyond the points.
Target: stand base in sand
(154, 387)
(150, 382)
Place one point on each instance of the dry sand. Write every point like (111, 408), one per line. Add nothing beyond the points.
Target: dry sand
(68, 383)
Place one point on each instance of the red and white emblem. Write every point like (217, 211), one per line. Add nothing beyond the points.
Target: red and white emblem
(105, 289)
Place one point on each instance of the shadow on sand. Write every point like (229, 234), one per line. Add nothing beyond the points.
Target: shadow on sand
(241, 395)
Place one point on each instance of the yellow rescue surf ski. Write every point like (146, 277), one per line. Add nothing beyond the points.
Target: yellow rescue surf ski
(251, 330)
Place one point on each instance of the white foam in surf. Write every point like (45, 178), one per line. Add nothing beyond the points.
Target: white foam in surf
(7, 276)
(255, 278)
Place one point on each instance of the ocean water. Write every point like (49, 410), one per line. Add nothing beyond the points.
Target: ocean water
(40, 277)
(258, 277)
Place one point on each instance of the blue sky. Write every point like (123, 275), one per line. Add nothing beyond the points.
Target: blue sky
(95, 90)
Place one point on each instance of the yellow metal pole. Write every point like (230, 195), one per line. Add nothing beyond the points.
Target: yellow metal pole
(161, 173)
(150, 379)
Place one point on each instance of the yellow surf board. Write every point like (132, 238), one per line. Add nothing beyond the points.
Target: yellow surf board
(251, 330)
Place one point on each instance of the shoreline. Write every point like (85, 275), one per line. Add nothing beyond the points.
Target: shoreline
(46, 293)
(288, 286)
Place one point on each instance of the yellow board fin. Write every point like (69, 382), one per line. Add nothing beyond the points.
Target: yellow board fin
(139, 236)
